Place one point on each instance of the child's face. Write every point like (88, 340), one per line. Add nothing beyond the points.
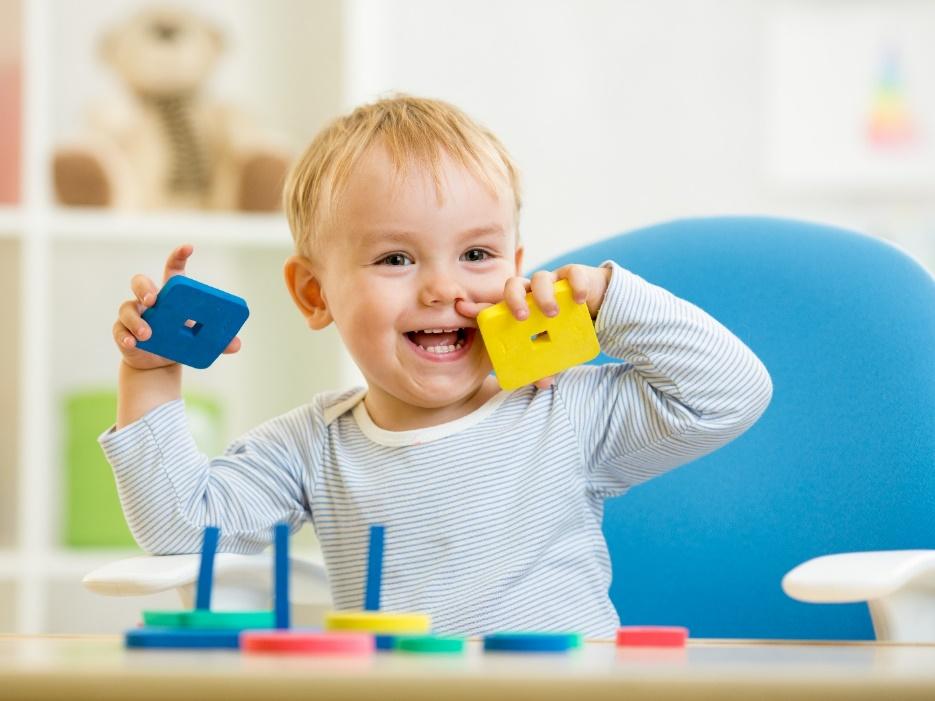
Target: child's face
(396, 261)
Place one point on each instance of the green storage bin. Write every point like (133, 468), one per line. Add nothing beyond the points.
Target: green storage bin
(93, 517)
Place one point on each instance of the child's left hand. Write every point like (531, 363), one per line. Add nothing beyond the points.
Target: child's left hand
(588, 285)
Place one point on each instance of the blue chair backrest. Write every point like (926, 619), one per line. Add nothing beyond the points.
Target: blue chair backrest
(842, 460)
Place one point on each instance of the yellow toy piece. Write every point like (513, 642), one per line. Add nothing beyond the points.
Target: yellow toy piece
(525, 351)
(379, 623)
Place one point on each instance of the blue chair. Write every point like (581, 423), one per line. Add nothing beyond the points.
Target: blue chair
(842, 460)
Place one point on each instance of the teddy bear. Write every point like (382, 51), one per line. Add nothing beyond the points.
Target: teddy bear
(167, 144)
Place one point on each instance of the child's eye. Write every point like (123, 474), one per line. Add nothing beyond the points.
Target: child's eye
(396, 259)
(475, 255)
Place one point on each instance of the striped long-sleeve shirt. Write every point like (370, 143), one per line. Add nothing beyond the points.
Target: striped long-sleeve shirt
(493, 520)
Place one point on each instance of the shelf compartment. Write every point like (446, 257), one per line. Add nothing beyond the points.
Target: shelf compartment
(11, 98)
(9, 381)
(7, 606)
(227, 229)
(11, 222)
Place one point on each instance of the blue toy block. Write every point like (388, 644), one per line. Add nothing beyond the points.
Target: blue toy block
(192, 323)
(531, 642)
(182, 639)
(384, 642)
(374, 569)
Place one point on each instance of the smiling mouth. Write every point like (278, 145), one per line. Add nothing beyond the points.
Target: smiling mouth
(441, 342)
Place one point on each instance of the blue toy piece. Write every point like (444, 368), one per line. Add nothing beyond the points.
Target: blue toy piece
(182, 638)
(384, 642)
(374, 569)
(531, 642)
(209, 546)
(281, 574)
(192, 323)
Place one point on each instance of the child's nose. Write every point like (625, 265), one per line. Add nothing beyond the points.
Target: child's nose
(439, 288)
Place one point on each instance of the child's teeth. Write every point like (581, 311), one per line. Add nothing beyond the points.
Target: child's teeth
(442, 349)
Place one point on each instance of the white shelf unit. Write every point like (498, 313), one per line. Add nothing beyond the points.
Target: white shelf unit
(11, 222)
(63, 273)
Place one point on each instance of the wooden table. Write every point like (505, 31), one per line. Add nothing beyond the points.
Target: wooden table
(100, 668)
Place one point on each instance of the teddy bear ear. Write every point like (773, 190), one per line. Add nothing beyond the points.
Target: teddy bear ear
(105, 46)
(217, 37)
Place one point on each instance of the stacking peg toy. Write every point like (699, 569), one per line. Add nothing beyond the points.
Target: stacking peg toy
(284, 640)
(386, 626)
(374, 569)
(522, 352)
(209, 548)
(281, 575)
(201, 628)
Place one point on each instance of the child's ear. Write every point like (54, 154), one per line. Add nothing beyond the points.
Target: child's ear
(519, 260)
(305, 288)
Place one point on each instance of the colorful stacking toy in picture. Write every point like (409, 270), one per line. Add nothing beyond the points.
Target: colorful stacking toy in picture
(522, 352)
(201, 627)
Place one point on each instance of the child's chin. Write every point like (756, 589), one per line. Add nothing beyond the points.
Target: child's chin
(443, 394)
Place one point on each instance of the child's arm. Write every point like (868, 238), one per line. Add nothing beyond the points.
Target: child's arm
(146, 381)
(687, 386)
(170, 490)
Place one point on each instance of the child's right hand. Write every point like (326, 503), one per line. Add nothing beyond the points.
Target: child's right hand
(130, 327)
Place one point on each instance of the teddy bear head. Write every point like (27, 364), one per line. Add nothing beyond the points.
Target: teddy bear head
(162, 51)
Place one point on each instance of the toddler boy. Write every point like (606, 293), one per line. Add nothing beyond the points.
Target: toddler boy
(405, 219)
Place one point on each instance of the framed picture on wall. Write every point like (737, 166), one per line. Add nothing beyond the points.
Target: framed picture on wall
(850, 95)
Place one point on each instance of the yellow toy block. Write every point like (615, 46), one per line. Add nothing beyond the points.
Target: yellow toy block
(379, 622)
(525, 351)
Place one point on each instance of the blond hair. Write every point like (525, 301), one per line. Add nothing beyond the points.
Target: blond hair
(414, 131)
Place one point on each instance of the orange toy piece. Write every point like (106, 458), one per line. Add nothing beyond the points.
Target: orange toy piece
(525, 351)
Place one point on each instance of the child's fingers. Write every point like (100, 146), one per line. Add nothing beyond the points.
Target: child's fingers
(514, 294)
(470, 309)
(129, 316)
(175, 265)
(543, 292)
(122, 336)
(545, 382)
(233, 346)
(144, 290)
(578, 278)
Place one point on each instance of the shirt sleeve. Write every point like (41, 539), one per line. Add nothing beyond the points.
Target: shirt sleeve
(686, 386)
(170, 490)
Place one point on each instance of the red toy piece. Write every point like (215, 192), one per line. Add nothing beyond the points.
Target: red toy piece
(651, 636)
(311, 643)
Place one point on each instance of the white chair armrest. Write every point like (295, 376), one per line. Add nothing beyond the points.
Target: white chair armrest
(138, 576)
(898, 586)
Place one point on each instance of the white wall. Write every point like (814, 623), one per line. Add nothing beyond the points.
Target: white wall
(619, 112)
